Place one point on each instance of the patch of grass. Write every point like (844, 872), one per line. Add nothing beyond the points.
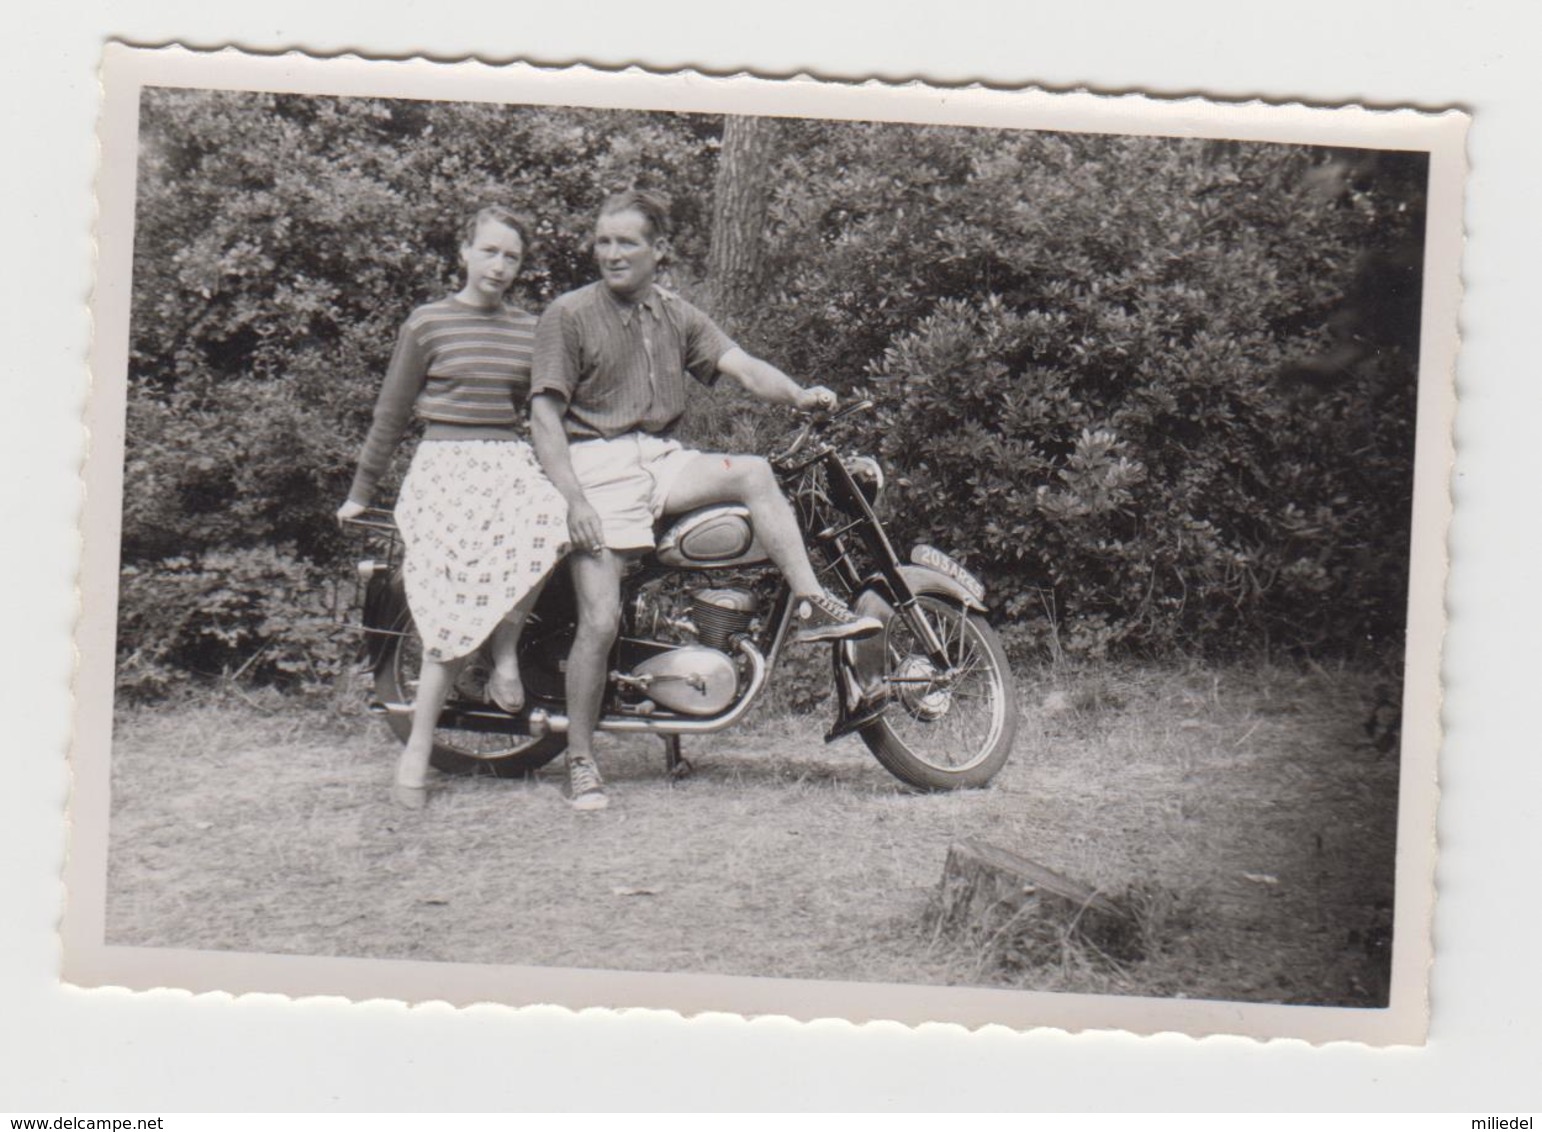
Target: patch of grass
(1238, 813)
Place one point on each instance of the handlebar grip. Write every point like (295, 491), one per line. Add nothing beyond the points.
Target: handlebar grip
(814, 424)
(855, 407)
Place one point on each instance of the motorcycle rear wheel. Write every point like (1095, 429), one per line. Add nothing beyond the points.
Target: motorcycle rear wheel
(952, 734)
(456, 751)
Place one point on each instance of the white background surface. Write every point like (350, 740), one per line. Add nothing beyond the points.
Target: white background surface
(66, 1051)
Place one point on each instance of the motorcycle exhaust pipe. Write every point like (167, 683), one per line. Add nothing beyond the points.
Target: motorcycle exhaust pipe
(541, 722)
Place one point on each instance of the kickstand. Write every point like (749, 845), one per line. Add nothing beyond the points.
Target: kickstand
(675, 763)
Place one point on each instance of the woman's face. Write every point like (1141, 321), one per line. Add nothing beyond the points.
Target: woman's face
(492, 260)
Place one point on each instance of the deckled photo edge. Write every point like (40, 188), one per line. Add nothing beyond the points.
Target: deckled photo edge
(127, 70)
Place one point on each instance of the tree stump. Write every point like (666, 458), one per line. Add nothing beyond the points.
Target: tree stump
(1019, 912)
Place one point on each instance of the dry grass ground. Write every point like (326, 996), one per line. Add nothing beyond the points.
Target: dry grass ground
(1240, 809)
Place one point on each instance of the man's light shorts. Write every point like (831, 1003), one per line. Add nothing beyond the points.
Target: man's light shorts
(627, 479)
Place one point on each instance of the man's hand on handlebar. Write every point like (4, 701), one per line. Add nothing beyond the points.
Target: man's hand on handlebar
(816, 399)
(350, 510)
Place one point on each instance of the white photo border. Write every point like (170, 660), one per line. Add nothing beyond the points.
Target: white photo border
(89, 962)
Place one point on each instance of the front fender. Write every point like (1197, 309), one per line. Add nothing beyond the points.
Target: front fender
(865, 659)
(922, 580)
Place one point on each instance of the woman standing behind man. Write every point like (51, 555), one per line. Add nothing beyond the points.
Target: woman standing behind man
(481, 524)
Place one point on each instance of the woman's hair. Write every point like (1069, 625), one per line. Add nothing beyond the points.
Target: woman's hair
(651, 206)
(503, 215)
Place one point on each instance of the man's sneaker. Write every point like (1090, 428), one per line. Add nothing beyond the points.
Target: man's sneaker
(820, 617)
(586, 789)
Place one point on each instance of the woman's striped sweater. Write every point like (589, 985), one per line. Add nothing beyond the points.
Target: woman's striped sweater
(454, 364)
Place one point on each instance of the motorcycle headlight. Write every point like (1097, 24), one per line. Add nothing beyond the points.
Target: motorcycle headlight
(869, 476)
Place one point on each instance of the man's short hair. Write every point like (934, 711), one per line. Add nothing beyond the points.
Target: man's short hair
(500, 213)
(651, 206)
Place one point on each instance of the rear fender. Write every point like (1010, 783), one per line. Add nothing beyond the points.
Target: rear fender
(385, 616)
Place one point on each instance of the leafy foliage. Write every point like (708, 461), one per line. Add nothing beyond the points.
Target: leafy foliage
(1078, 346)
(258, 612)
(280, 241)
(1081, 347)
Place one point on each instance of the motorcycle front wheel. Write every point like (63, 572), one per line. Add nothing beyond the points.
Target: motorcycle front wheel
(456, 750)
(945, 728)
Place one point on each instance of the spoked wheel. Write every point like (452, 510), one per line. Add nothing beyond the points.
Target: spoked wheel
(458, 750)
(947, 727)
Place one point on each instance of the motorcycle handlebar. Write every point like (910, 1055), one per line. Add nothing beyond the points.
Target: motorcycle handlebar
(850, 410)
(816, 422)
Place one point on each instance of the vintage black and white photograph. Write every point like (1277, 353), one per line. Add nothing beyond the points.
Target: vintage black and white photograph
(599, 539)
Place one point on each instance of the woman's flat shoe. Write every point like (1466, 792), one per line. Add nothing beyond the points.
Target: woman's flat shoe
(508, 694)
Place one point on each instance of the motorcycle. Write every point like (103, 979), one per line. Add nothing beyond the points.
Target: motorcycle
(705, 616)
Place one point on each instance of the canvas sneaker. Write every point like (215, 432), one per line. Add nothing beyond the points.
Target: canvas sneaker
(586, 789)
(821, 617)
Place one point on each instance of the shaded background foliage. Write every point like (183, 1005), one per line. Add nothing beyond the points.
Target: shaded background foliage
(1158, 392)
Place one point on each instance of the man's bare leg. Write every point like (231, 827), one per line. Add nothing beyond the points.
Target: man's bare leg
(597, 587)
(717, 478)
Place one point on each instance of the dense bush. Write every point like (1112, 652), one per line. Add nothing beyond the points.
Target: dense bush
(280, 241)
(1080, 346)
(258, 612)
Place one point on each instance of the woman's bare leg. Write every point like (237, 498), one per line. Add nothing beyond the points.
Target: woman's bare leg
(504, 686)
(434, 683)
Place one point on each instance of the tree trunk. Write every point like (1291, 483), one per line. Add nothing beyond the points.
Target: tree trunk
(736, 260)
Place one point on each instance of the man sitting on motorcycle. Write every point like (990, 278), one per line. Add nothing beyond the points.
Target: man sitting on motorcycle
(607, 391)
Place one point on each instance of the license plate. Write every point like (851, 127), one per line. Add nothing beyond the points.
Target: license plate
(934, 559)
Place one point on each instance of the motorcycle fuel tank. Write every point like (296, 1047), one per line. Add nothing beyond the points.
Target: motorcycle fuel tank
(710, 537)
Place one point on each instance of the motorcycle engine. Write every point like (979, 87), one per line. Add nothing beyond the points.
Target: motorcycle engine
(698, 676)
(719, 614)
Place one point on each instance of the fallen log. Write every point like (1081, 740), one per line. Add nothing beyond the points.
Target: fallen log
(1016, 910)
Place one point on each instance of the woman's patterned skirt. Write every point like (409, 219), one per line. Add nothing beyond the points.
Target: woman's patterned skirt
(481, 526)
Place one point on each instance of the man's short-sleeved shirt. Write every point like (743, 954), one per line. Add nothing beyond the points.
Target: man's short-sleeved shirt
(621, 366)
